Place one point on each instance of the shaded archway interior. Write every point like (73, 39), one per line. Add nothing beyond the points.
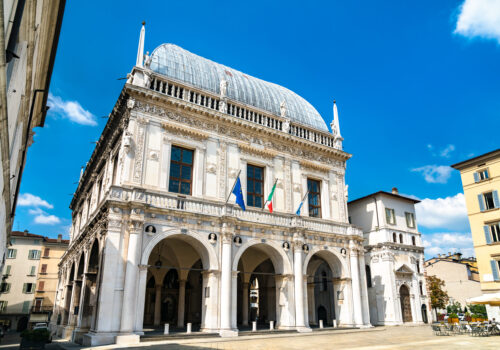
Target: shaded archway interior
(256, 286)
(174, 288)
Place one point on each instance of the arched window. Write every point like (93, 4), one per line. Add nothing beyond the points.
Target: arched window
(418, 266)
(368, 276)
(421, 288)
(401, 238)
(394, 237)
(413, 241)
(324, 281)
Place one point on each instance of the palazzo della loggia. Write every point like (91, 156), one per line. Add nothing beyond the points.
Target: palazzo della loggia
(157, 237)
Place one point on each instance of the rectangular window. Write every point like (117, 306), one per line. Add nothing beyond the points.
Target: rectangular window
(181, 170)
(26, 307)
(3, 305)
(390, 216)
(34, 254)
(255, 186)
(314, 198)
(115, 170)
(44, 269)
(488, 200)
(481, 175)
(410, 220)
(38, 305)
(7, 270)
(41, 285)
(4, 287)
(28, 288)
(32, 271)
(492, 233)
(46, 252)
(11, 253)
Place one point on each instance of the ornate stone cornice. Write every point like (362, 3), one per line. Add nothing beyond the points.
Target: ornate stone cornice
(263, 152)
(180, 129)
(314, 166)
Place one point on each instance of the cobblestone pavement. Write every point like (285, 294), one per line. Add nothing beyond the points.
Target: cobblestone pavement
(415, 338)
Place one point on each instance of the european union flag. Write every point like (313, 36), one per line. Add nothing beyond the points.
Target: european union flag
(239, 194)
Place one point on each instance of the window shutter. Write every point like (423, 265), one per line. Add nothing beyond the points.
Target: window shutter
(476, 177)
(7, 270)
(46, 252)
(481, 202)
(487, 234)
(7, 287)
(44, 268)
(387, 216)
(495, 199)
(25, 287)
(41, 285)
(494, 269)
(14, 254)
(26, 306)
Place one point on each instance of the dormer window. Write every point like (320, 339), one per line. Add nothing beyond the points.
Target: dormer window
(390, 216)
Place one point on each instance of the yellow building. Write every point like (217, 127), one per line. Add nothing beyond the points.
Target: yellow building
(481, 183)
(47, 277)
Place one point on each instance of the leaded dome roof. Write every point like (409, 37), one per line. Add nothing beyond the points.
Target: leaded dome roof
(175, 62)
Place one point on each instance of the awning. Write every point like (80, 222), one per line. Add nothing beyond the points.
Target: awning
(492, 299)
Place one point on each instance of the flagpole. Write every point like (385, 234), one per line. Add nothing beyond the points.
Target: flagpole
(264, 205)
(303, 198)
(234, 184)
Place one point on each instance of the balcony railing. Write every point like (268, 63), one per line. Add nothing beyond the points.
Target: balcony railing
(195, 205)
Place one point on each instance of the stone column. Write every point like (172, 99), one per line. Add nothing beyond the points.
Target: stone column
(310, 303)
(182, 303)
(75, 299)
(226, 277)
(67, 304)
(364, 289)
(157, 313)
(245, 305)
(81, 301)
(131, 278)
(356, 288)
(299, 287)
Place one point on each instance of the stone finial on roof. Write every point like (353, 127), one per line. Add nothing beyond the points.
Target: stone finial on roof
(335, 122)
(140, 49)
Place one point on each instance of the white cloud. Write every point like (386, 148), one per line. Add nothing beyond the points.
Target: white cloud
(435, 173)
(47, 219)
(447, 213)
(448, 242)
(446, 152)
(29, 200)
(71, 110)
(479, 18)
(36, 211)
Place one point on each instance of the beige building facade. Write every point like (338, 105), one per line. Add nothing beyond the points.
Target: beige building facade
(47, 277)
(461, 282)
(481, 183)
(29, 33)
(19, 279)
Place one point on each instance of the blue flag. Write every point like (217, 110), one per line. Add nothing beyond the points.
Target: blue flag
(298, 210)
(239, 194)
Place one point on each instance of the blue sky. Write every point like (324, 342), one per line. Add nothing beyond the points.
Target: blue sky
(416, 85)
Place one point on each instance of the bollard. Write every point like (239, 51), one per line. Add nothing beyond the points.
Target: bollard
(166, 328)
(254, 326)
(334, 323)
(321, 324)
(189, 326)
(271, 325)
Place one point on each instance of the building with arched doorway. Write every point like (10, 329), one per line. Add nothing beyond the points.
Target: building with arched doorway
(156, 237)
(394, 256)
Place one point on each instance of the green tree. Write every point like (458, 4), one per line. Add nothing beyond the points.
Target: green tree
(478, 310)
(454, 308)
(439, 297)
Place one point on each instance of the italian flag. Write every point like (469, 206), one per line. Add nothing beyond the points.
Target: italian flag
(270, 198)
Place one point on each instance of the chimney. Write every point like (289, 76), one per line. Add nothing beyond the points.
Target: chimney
(59, 238)
(395, 190)
(25, 233)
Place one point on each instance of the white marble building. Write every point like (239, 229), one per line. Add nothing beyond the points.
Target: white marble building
(154, 239)
(394, 256)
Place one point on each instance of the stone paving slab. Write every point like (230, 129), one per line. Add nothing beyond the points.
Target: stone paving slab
(363, 339)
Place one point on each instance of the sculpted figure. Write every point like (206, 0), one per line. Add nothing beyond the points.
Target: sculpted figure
(223, 88)
(283, 109)
(147, 60)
